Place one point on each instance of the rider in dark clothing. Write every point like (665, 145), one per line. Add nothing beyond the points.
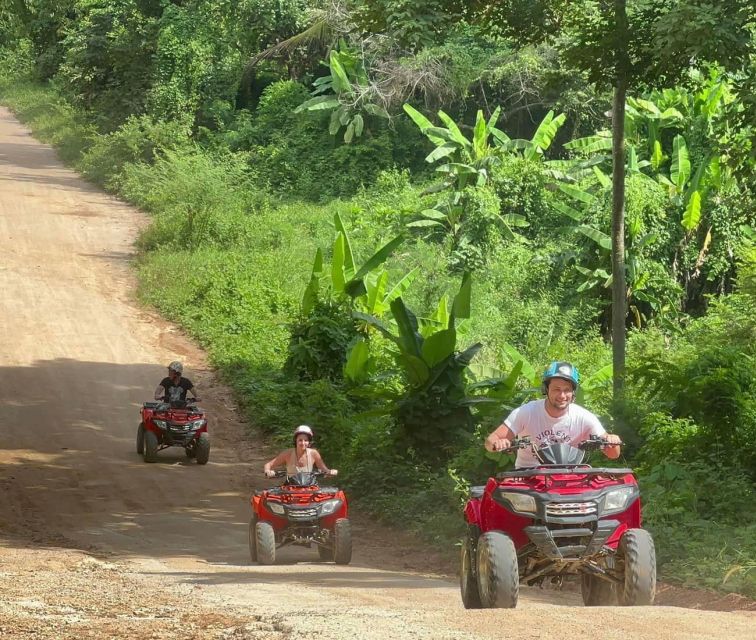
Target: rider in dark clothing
(174, 387)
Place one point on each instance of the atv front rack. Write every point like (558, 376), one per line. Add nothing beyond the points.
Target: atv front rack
(581, 470)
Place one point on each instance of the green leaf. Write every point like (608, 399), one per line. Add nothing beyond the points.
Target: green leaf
(359, 125)
(692, 215)
(379, 257)
(425, 223)
(355, 368)
(632, 159)
(340, 79)
(348, 254)
(590, 144)
(439, 346)
(604, 180)
(416, 370)
(480, 135)
(400, 287)
(349, 133)
(576, 193)
(338, 278)
(318, 104)
(454, 131)
(376, 110)
(441, 152)
(658, 155)
(567, 210)
(423, 123)
(465, 357)
(680, 163)
(433, 214)
(334, 125)
(310, 295)
(406, 322)
(603, 240)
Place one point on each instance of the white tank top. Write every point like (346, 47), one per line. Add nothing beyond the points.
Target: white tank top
(291, 463)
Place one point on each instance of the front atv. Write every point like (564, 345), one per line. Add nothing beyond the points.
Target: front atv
(300, 512)
(560, 519)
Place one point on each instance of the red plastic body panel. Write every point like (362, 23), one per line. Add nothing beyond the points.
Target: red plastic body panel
(489, 515)
(299, 496)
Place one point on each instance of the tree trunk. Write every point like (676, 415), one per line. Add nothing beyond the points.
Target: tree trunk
(619, 286)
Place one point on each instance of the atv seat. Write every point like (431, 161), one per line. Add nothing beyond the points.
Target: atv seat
(477, 491)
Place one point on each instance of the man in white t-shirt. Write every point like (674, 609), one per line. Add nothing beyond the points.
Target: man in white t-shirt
(552, 420)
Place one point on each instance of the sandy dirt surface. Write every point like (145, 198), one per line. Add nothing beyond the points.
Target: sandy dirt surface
(94, 543)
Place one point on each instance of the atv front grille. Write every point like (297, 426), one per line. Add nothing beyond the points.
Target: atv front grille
(558, 509)
(301, 515)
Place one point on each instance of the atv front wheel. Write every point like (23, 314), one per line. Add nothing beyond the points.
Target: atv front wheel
(150, 446)
(342, 541)
(140, 438)
(637, 553)
(202, 449)
(468, 581)
(265, 543)
(597, 592)
(498, 575)
(252, 539)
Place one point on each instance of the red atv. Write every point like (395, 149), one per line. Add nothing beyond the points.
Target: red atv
(303, 513)
(173, 424)
(561, 518)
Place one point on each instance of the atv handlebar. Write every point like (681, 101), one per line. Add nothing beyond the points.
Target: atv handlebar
(518, 443)
(592, 444)
(597, 442)
(283, 474)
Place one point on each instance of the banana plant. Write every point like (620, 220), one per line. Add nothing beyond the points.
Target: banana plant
(466, 161)
(435, 398)
(346, 92)
(346, 279)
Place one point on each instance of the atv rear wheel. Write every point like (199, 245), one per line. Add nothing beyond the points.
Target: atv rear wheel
(252, 539)
(637, 553)
(498, 575)
(342, 541)
(202, 448)
(265, 543)
(325, 553)
(150, 446)
(597, 592)
(140, 438)
(468, 581)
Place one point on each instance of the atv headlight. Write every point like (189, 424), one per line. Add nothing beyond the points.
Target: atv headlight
(161, 424)
(618, 499)
(329, 507)
(520, 501)
(196, 424)
(275, 507)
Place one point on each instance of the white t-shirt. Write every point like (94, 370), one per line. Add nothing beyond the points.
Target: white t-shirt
(533, 420)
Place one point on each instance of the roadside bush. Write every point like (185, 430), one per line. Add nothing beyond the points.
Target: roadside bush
(138, 140)
(318, 343)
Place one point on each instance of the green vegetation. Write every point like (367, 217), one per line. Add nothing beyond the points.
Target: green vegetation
(391, 215)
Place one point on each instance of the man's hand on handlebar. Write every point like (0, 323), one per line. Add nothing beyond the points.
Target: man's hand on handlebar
(499, 445)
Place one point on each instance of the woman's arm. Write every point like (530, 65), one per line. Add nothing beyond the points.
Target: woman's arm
(318, 460)
(278, 461)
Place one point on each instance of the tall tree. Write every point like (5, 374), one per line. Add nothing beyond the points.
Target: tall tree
(630, 43)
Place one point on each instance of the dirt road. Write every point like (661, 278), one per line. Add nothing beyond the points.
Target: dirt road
(96, 544)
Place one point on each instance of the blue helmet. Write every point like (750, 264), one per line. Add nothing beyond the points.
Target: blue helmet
(563, 370)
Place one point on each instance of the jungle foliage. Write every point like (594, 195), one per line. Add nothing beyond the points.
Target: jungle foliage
(391, 215)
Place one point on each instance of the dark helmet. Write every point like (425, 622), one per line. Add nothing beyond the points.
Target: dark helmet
(563, 370)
